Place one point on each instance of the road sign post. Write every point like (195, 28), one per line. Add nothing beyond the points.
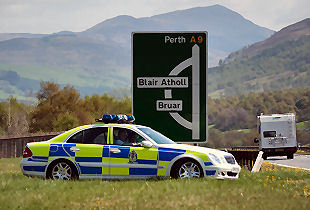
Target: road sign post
(169, 83)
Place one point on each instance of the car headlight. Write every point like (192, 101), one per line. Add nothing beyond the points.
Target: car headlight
(214, 158)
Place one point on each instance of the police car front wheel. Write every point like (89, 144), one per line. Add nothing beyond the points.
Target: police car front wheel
(187, 169)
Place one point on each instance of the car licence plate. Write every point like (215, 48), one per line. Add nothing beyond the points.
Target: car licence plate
(279, 150)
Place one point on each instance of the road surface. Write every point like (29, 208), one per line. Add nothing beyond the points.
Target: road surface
(299, 161)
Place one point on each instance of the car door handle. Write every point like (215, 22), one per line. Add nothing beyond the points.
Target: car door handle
(115, 150)
(74, 149)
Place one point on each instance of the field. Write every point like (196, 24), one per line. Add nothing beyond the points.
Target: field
(303, 125)
(273, 187)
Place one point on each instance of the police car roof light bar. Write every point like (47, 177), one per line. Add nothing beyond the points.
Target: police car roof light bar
(113, 118)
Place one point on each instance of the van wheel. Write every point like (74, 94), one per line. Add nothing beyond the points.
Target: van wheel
(290, 156)
(265, 156)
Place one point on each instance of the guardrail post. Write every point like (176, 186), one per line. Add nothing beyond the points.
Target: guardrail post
(258, 162)
(19, 148)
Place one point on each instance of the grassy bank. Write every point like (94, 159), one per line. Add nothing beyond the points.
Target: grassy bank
(273, 187)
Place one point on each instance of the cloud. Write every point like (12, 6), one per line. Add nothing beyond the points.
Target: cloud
(46, 16)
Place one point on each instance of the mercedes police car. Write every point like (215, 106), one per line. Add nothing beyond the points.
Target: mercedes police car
(120, 150)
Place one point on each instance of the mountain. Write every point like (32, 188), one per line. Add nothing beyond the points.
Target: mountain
(228, 30)
(8, 36)
(99, 58)
(279, 62)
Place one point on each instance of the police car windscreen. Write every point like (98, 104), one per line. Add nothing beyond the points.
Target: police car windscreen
(156, 136)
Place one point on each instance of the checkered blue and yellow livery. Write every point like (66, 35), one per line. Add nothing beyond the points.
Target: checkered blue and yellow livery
(122, 151)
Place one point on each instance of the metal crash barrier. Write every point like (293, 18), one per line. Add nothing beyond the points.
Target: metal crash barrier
(245, 159)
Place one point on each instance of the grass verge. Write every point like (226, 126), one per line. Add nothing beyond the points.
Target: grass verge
(272, 187)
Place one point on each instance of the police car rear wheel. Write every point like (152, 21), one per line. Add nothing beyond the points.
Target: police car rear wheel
(62, 170)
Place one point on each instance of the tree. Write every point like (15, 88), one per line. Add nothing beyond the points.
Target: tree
(302, 103)
(14, 117)
(57, 104)
(65, 122)
(62, 109)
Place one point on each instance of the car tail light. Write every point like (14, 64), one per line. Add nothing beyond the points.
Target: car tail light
(27, 152)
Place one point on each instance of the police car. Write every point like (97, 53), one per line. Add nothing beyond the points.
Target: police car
(118, 149)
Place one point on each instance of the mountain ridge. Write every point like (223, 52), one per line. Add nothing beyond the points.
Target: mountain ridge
(288, 33)
(101, 55)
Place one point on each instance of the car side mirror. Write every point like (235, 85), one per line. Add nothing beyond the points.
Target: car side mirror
(256, 140)
(146, 144)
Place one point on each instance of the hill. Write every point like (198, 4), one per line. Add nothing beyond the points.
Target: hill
(289, 33)
(281, 61)
(98, 59)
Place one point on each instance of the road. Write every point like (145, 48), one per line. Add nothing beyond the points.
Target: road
(299, 161)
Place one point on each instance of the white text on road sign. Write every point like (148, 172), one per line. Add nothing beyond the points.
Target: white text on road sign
(169, 105)
(173, 40)
(162, 82)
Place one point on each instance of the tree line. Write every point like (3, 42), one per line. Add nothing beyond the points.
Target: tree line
(57, 110)
(234, 119)
(60, 109)
(240, 112)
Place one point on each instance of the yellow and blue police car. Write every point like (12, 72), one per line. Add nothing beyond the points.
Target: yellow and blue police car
(115, 150)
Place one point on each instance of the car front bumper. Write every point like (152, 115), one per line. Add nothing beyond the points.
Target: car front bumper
(224, 171)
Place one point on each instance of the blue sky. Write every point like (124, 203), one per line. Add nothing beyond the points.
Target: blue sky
(48, 16)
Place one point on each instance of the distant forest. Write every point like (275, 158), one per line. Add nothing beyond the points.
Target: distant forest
(232, 120)
(239, 112)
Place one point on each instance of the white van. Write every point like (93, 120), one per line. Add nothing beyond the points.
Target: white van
(277, 135)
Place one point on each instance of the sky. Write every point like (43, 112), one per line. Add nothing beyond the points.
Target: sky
(50, 16)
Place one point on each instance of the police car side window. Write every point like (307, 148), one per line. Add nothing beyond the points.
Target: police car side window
(95, 135)
(76, 138)
(90, 136)
(126, 137)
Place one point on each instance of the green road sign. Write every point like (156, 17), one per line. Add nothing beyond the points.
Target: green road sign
(169, 83)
